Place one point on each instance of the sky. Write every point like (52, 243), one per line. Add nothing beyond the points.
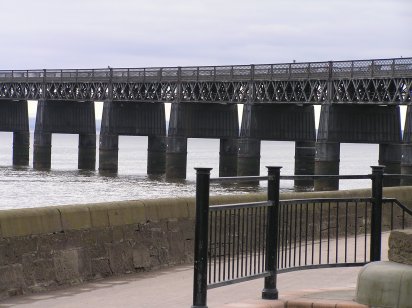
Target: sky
(132, 33)
(55, 34)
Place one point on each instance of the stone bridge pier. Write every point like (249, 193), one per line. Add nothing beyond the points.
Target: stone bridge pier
(14, 118)
(357, 124)
(286, 122)
(133, 118)
(202, 120)
(65, 117)
(406, 162)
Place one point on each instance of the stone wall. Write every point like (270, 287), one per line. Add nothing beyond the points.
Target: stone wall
(400, 246)
(43, 248)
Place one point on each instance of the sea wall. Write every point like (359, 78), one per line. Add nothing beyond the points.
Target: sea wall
(43, 248)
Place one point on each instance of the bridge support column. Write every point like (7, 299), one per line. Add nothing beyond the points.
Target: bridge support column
(304, 162)
(176, 157)
(327, 163)
(406, 164)
(406, 160)
(65, 117)
(248, 157)
(87, 152)
(21, 148)
(14, 117)
(156, 155)
(108, 152)
(390, 157)
(42, 150)
(228, 157)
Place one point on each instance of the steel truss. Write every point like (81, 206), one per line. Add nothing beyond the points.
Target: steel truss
(367, 81)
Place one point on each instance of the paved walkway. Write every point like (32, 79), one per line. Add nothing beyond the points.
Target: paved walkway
(172, 288)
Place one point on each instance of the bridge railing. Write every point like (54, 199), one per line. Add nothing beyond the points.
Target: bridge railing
(398, 67)
(240, 242)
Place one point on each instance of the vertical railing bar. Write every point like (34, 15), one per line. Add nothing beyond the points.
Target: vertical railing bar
(260, 242)
(233, 243)
(247, 241)
(306, 233)
(264, 240)
(313, 234)
(320, 233)
(328, 253)
(286, 226)
(300, 233)
(238, 243)
(356, 228)
(346, 231)
(366, 231)
(219, 276)
(254, 261)
(224, 246)
(243, 242)
(290, 235)
(216, 249)
(266, 237)
(229, 256)
(282, 245)
(210, 247)
(295, 239)
(337, 232)
(228, 243)
(251, 242)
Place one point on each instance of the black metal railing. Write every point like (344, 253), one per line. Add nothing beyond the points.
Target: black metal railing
(240, 242)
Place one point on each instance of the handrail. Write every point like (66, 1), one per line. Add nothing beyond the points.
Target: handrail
(324, 176)
(319, 200)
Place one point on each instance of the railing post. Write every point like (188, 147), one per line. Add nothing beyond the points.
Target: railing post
(376, 219)
(201, 236)
(270, 290)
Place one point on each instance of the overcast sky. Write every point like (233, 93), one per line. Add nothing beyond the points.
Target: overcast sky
(124, 33)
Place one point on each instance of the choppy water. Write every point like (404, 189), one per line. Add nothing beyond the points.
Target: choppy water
(64, 184)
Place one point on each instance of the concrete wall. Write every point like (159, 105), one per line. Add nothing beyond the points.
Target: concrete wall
(42, 248)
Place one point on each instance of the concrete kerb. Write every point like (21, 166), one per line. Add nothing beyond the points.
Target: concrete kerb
(75, 217)
(21, 222)
(44, 220)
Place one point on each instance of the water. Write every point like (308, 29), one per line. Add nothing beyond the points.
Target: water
(64, 184)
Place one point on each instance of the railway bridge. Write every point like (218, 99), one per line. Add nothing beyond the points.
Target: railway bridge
(359, 101)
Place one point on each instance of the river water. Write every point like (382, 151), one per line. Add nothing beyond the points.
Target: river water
(64, 184)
